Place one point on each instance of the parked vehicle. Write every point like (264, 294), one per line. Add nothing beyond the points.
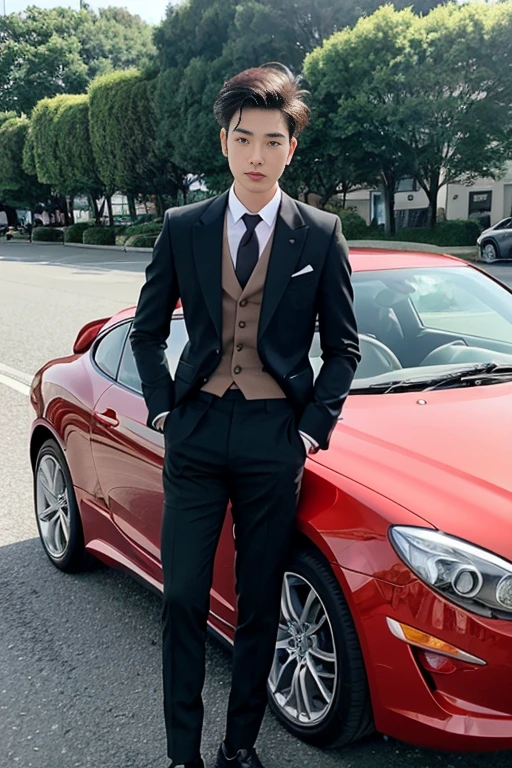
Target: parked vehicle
(495, 243)
(397, 599)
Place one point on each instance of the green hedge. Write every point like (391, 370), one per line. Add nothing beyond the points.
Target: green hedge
(100, 236)
(47, 235)
(353, 225)
(142, 241)
(129, 233)
(74, 233)
(455, 232)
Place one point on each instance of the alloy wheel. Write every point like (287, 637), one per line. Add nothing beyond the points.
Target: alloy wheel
(303, 678)
(489, 253)
(52, 506)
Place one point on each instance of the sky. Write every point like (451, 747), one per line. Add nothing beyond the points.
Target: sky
(153, 12)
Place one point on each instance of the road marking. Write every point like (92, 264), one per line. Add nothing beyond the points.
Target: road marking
(15, 379)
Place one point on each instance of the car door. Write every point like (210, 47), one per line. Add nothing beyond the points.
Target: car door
(129, 460)
(128, 455)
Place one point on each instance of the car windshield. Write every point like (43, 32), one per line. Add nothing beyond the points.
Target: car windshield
(424, 323)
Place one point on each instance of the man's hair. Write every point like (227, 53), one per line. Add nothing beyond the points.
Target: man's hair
(264, 87)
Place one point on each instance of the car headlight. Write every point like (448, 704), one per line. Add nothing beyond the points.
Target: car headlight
(475, 579)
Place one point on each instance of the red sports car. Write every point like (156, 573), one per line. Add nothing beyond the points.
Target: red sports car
(397, 600)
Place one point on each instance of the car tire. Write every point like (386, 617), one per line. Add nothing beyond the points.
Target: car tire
(60, 530)
(489, 252)
(348, 716)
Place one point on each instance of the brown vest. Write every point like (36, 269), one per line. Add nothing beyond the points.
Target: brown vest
(240, 365)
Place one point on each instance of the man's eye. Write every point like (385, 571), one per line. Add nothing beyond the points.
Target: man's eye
(241, 139)
(275, 143)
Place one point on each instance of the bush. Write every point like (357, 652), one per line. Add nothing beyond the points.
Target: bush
(47, 235)
(100, 236)
(456, 232)
(142, 241)
(353, 225)
(74, 233)
(130, 233)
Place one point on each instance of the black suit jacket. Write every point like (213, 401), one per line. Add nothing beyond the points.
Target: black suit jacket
(187, 264)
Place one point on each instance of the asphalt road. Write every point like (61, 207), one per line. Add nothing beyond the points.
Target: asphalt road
(80, 655)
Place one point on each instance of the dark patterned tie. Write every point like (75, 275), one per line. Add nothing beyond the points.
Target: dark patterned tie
(248, 250)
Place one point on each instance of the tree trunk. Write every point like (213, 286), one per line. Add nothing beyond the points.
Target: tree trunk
(388, 192)
(110, 213)
(432, 193)
(93, 203)
(71, 210)
(160, 204)
(131, 206)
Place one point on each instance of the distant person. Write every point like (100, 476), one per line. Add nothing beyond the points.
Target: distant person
(253, 269)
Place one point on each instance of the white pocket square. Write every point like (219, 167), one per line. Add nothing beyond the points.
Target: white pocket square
(309, 268)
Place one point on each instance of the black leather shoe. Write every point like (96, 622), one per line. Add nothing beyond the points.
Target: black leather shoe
(244, 758)
(198, 763)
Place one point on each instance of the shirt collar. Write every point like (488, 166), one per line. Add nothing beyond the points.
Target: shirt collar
(268, 213)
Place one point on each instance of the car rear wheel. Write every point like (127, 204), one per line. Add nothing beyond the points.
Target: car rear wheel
(489, 252)
(57, 516)
(317, 686)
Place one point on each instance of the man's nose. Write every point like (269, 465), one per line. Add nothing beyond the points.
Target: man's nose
(257, 157)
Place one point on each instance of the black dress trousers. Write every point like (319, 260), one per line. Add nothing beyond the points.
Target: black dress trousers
(249, 452)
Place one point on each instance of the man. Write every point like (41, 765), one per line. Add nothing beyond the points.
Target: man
(254, 269)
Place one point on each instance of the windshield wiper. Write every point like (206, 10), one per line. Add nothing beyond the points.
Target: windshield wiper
(483, 373)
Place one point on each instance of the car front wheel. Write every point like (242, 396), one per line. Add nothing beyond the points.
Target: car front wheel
(57, 515)
(489, 252)
(317, 686)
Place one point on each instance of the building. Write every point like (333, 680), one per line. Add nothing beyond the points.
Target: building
(482, 198)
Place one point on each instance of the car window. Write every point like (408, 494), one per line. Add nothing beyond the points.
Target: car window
(108, 351)
(128, 374)
(456, 301)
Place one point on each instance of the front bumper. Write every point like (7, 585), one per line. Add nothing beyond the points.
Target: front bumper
(467, 710)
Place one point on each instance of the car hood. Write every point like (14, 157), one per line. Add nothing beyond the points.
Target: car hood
(444, 455)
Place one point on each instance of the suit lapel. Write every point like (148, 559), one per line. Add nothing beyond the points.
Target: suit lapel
(207, 237)
(289, 238)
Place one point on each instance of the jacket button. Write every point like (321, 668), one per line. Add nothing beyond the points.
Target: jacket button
(205, 379)
(241, 324)
(239, 347)
(244, 303)
(237, 369)
(217, 351)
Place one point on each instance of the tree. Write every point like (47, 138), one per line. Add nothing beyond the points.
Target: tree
(201, 43)
(420, 96)
(123, 135)
(458, 116)
(17, 187)
(354, 80)
(45, 53)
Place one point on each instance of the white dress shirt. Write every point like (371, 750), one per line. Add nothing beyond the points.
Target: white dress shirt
(236, 224)
(236, 230)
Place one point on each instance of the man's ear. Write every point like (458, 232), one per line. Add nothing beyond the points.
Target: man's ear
(293, 146)
(224, 142)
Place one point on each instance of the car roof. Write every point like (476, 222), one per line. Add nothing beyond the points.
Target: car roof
(361, 260)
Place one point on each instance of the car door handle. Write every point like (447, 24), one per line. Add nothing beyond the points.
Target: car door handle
(108, 418)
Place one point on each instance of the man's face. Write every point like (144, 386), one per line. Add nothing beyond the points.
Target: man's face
(258, 149)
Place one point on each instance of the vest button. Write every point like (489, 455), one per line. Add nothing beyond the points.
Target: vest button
(241, 324)
(239, 347)
(244, 303)
(237, 369)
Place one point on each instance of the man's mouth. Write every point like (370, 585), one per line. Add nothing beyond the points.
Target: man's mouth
(255, 175)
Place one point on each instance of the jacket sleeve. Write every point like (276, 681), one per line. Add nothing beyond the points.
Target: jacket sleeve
(151, 326)
(339, 343)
